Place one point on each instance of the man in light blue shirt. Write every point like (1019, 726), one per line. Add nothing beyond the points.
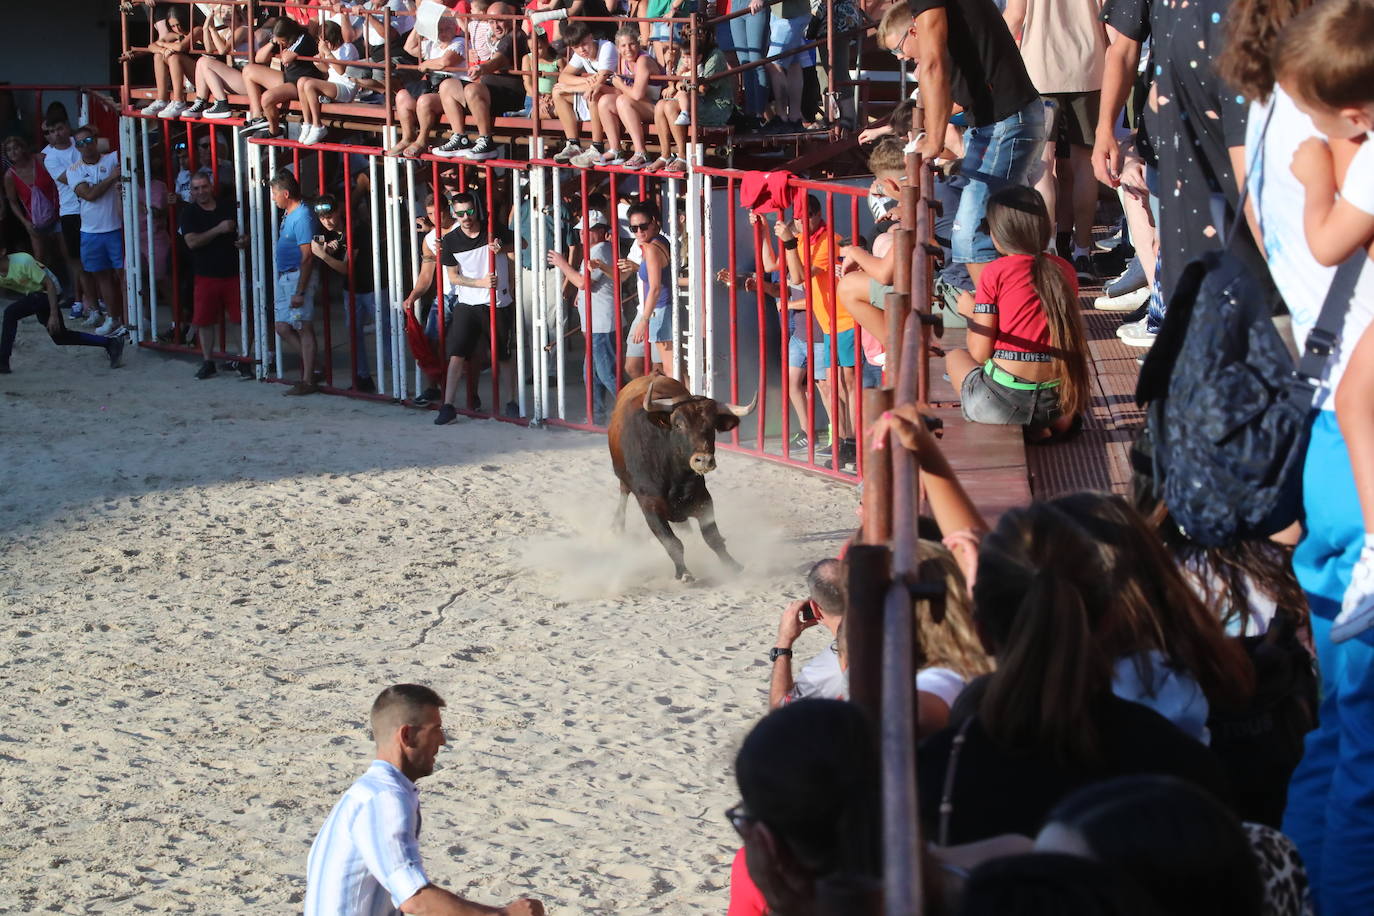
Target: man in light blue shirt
(296, 280)
(366, 859)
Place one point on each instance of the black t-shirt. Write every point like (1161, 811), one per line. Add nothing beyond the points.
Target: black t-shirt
(987, 76)
(336, 246)
(219, 258)
(512, 48)
(999, 792)
(305, 46)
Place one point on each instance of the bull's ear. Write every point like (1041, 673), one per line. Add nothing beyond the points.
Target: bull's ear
(726, 422)
(663, 418)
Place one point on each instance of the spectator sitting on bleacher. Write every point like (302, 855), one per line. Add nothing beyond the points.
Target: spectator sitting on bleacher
(1026, 362)
(338, 87)
(672, 114)
(587, 76)
(418, 105)
(663, 38)
(863, 289)
(631, 104)
(171, 62)
(490, 91)
(786, 32)
(543, 64)
(217, 74)
(269, 89)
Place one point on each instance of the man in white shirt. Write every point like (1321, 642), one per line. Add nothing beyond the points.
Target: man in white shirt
(95, 181)
(595, 281)
(365, 861)
(591, 62)
(59, 155)
(822, 677)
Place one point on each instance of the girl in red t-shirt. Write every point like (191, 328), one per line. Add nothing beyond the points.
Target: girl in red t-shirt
(1026, 361)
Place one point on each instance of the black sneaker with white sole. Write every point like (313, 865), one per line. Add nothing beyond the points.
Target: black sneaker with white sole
(447, 414)
(1083, 266)
(196, 110)
(482, 149)
(207, 370)
(217, 110)
(254, 125)
(456, 146)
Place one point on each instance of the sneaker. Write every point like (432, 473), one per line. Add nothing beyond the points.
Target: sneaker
(455, 147)
(1357, 608)
(637, 162)
(427, 397)
(153, 108)
(586, 159)
(1130, 280)
(311, 134)
(1126, 302)
(242, 367)
(195, 110)
(172, 110)
(365, 385)
(849, 452)
(1083, 266)
(301, 388)
(775, 126)
(512, 409)
(447, 414)
(570, 151)
(218, 109)
(93, 318)
(253, 125)
(1137, 335)
(77, 311)
(1139, 322)
(207, 370)
(5, 369)
(115, 349)
(797, 443)
(683, 119)
(105, 328)
(482, 149)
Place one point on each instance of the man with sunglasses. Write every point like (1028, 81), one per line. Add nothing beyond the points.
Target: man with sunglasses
(965, 54)
(476, 276)
(59, 155)
(95, 181)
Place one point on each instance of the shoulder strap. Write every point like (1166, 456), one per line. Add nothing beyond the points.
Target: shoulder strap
(1326, 333)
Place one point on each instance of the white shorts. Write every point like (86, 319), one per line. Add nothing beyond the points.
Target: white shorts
(285, 290)
(347, 89)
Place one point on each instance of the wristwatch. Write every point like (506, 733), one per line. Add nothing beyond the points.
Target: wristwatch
(776, 653)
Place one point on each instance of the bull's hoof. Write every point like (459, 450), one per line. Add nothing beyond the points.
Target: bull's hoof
(686, 578)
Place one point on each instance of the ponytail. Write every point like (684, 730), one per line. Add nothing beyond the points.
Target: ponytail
(1066, 333)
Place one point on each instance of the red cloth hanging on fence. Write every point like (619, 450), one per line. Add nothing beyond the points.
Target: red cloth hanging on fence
(766, 192)
(430, 364)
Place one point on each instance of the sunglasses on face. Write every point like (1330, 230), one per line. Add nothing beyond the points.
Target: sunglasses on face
(324, 209)
(461, 213)
(86, 141)
(639, 227)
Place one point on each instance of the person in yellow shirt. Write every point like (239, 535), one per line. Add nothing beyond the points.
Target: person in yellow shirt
(39, 295)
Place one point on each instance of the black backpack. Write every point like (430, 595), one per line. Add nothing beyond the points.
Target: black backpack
(1226, 424)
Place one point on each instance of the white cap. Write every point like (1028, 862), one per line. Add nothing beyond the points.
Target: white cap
(594, 218)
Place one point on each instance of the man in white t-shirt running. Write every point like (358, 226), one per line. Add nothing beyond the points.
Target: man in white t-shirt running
(95, 181)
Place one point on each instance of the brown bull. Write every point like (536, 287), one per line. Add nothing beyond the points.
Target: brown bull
(663, 443)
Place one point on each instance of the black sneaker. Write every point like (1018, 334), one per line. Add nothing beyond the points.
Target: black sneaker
(512, 409)
(218, 110)
(365, 385)
(482, 149)
(447, 414)
(849, 452)
(456, 147)
(207, 370)
(798, 443)
(254, 125)
(115, 348)
(196, 110)
(1083, 266)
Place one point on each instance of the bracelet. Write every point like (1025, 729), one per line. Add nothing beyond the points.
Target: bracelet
(790, 244)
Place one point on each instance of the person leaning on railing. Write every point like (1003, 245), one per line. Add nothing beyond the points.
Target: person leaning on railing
(418, 104)
(218, 72)
(490, 90)
(171, 60)
(269, 90)
(672, 113)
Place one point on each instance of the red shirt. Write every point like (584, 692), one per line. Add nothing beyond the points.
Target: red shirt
(745, 899)
(1006, 286)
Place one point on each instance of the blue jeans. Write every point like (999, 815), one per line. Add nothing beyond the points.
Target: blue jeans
(603, 365)
(1330, 811)
(995, 156)
(746, 36)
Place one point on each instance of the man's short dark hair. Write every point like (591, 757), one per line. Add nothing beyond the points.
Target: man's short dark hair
(901, 117)
(402, 704)
(285, 181)
(825, 581)
(574, 33)
(646, 209)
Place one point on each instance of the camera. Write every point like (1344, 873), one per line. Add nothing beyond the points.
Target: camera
(808, 612)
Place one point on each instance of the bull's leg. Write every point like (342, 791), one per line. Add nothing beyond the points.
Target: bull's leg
(619, 523)
(706, 520)
(658, 524)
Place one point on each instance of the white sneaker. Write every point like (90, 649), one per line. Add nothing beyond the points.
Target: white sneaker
(309, 135)
(1136, 335)
(1126, 302)
(154, 107)
(683, 119)
(93, 319)
(173, 110)
(586, 159)
(77, 311)
(105, 328)
(1357, 609)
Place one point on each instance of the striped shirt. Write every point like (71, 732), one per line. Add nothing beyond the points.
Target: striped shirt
(366, 859)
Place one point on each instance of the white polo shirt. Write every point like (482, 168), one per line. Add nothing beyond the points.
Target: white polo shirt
(366, 859)
(101, 214)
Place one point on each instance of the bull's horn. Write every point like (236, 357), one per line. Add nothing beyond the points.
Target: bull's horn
(650, 404)
(736, 409)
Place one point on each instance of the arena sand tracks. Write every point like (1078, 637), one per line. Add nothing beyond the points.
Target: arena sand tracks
(204, 585)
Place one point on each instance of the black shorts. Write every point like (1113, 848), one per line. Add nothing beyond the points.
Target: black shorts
(71, 234)
(504, 98)
(1075, 118)
(465, 333)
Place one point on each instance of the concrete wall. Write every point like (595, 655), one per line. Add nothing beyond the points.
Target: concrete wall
(57, 41)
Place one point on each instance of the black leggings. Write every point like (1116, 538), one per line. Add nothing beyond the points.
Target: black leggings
(37, 304)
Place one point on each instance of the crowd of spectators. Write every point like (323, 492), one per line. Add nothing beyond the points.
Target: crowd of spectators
(1115, 716)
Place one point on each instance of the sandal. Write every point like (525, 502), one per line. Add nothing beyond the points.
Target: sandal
(676, 164)
(657, 165)
(397, 149)
(414, 151)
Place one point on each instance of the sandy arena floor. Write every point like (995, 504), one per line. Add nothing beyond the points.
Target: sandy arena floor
(204, 584)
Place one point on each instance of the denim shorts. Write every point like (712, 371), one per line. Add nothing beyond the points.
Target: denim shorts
(661, 325)
(788, 35)
(283, 311)
(995, 156)
(983, 400)
(797, 357)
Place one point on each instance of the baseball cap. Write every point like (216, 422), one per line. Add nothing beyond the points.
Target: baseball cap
(594, 218)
